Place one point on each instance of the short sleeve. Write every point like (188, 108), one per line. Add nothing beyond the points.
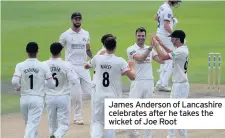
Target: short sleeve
(131, 53)
(124, 66)
(48, 74)
(17, 71)
(88, 38)
(92, 62)
(177, 53)
(62, 39)
(168, 15)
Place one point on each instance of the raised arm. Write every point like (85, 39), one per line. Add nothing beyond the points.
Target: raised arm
(162, 45)
(130, 71)
(162, 55)
(139, 57)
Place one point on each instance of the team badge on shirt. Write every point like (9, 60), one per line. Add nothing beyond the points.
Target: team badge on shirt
(131, 53)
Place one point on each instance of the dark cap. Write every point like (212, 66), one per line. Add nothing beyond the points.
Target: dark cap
(56, 48)
(32, 47)
(178, 34)
(76, 15)
(104, 37)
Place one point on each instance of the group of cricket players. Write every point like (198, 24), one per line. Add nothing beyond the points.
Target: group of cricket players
(59, 84)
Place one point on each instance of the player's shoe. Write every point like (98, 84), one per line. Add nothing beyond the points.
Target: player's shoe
(79, 122)
(164, 88)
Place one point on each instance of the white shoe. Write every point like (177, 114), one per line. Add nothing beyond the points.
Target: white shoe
(165, 88)
(79, 122)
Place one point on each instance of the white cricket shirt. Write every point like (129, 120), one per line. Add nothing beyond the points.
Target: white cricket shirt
(62, 73)
(143, 69)
(75, 46)
(164, 13)
(33, 74)
(180, 64)
(109, 69)
(103, 48)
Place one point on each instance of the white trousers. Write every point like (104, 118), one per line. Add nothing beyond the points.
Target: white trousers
(31, 109)
(58, 109)
(179, 90)
(141, 89)
(165, 70)
(165, 73)
(83, 89)
(97, 118)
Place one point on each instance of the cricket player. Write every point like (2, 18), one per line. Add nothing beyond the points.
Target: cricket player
(102, 51)
(179, 56)
(76, 42)
(109, 69)
(143, 85)
(58, 101)
(166, 23)
(29, 78)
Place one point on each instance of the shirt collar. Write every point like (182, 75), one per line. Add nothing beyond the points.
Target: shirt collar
(32, 59)
(73, 32)
(136, 46)
(167, 4)
(55, 58)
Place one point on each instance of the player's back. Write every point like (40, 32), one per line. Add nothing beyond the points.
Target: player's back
(180, 64)
(33, 76)
(164, 13)
(109, 69)
(59, 69)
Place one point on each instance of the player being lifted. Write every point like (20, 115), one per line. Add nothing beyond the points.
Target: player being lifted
(143, 86)
(58, 100)
(109, 69)
(179, 56)
(29, 78)
(166, 22)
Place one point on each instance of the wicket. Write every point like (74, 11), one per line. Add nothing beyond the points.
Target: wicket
(213, 72)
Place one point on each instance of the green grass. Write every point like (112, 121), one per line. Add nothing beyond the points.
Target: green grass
(43, 22)
(9, 103)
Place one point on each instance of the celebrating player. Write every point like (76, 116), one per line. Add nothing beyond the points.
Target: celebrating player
(58, 100)
(29, 78)
(143, 86)
(109, 69)
(166, 22)
(77, 46)
(179, 56)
